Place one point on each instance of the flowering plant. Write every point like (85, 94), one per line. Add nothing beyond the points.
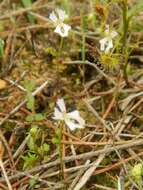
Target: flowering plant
(106, 43)
(58, 17)
(72, 119)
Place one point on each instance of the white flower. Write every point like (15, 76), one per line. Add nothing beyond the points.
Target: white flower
(72, 119)
(58, 18)
(107, 43)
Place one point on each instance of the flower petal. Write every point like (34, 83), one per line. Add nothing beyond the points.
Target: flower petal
(109, 46)
(113, 34)
(76, 116)
(72, 125)
(53, 17)
(61, 105)
(103, 43)
(62, 29)
(61, 14)
(57, 115)
(66, 28)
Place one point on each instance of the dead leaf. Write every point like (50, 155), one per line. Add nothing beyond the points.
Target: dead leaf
(2, 84)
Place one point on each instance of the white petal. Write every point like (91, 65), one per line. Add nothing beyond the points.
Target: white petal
(62, 29)
(103, 43)
(57, 115)
(109, 46)
(113, 34)
(73, 114)
(53, 17)
(72, 125)
(61, 14)
(66, 28)
(76, 116)
(61, 105)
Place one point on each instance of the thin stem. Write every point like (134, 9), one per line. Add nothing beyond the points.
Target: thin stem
(83, 48)
(125, 70)
(61, 147)
(124, 46)
(125, 25)
(5, 175)
(57, 64)
(61, 47)
(61, 151)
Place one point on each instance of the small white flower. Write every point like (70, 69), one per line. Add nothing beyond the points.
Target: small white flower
(58, 18)
(107, 43)
(72, 119)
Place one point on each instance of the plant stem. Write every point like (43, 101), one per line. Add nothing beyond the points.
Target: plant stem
(57, 63)
(61, 154)
(124, 45)
(125, 25)
(83, 47)
(5, 175)
(61, 47)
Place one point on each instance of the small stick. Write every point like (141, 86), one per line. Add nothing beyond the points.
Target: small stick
(102, 121)
(79, 174)
(24, 10)
(63, 152)
(84, 156)
(84, 143)
(2, 167)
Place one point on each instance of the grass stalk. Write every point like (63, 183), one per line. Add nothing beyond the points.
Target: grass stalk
(124, 43)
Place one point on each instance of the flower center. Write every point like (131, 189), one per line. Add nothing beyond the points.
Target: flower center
(62, 27)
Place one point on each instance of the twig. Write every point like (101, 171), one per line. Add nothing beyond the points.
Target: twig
(89, 172)
(2, 167)
(80, 173)
(5, 175)
(97, 116)
(87, 155)
(98, 171)
(101, 156)
(84, 143)
(103, 187)
(24, 10)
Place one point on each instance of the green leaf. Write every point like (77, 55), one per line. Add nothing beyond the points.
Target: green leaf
(58, 132)
(32, 182)
(43, 149)
(31, 144)
(29, 85)
(39, 117)
(30, 102)
(28, 3)
(46, 147)
(40, 151)
(33, 130)
(55, 140)
(29, 160)
(137, 170)
(51, 51)
(136, 9)
(1, 48)
(30, 118)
